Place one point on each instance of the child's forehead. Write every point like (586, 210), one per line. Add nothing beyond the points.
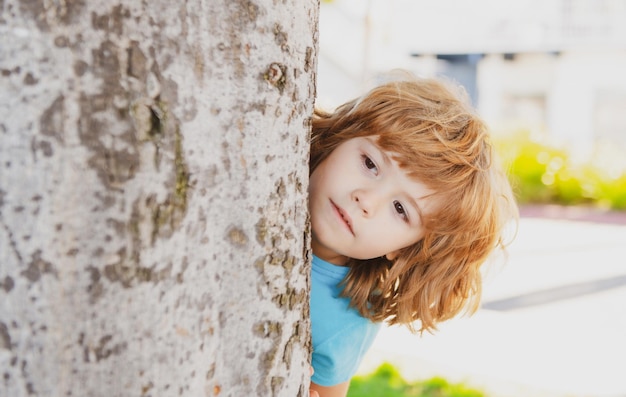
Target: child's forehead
(390, 154)
(375, 141)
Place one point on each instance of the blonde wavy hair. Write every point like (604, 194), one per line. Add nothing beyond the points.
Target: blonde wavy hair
(431, 130)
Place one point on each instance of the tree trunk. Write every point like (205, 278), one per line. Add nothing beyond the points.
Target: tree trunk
(153, 183)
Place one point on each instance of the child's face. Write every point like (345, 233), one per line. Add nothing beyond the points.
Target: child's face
(363, 205)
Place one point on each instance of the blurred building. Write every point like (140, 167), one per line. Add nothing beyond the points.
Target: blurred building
(556, 67)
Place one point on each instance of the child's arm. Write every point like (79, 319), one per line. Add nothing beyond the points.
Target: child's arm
(339, 390)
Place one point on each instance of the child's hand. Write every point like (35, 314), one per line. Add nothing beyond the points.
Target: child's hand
(313, 393)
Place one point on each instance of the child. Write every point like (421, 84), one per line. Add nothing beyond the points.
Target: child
(406, 203)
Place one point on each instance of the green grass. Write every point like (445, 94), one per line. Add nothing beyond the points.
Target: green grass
(387, 382)
(547, 174)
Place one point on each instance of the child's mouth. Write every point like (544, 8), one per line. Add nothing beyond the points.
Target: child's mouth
(344, 216)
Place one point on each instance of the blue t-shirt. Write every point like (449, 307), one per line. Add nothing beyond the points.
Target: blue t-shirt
(341, 336)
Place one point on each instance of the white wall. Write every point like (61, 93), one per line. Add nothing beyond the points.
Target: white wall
(575, 97)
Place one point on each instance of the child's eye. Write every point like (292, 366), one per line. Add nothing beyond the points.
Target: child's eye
(400, 210)
(369, 164)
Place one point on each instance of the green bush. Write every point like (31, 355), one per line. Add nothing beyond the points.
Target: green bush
(545, 174)
(387, 382)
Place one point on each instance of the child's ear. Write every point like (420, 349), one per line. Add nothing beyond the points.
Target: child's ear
(392, 255)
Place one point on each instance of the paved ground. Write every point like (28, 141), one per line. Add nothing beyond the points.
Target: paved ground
(553, 320)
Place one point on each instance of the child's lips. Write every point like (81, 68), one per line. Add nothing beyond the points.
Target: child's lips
(343, 216)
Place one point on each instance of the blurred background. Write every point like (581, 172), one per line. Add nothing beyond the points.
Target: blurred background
(549, 77)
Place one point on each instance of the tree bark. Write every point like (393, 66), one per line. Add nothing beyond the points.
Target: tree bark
(153, 189)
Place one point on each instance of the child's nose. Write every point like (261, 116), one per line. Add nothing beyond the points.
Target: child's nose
(366, 201)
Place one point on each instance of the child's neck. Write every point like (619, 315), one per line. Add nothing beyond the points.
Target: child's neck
(337, 260)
